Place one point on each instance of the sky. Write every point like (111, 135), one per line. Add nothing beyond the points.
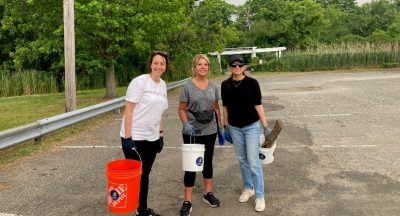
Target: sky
(240, 2)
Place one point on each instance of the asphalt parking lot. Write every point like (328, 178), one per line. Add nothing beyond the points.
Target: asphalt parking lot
(338, 154)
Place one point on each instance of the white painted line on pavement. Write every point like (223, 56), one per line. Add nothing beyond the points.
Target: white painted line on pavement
(225, 146)
(84, 147)
(228, 146)
(5, 214)
(349, 146)
(321, 115)
(292, 146)
(97, 146)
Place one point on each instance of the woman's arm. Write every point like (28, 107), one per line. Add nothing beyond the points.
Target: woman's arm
(261, 115)
(218, 112)
(225, 113)
(182, 112)
(129, 106)
(161, 127)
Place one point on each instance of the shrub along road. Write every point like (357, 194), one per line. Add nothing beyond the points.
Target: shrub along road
(337, 155)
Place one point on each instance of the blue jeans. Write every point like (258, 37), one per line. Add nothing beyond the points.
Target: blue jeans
(246, 141)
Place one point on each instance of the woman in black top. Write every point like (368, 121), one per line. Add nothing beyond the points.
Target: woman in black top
(243, 113)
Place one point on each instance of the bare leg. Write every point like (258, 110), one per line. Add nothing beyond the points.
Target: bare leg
(188, 193)
(208, 185)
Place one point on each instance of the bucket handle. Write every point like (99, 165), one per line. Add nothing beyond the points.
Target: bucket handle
(140, 158)
(194, 140)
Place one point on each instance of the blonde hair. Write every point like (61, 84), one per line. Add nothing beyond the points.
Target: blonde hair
(196, 59)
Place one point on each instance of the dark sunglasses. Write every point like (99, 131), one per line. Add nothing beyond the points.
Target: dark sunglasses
(235, 65)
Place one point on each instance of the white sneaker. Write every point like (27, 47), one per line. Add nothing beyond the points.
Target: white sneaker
(246, 194)
(259, 204)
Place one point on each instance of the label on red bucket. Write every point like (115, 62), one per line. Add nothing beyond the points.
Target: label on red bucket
(117, 195)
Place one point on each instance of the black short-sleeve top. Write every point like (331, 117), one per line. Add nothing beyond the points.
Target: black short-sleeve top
(240, 98)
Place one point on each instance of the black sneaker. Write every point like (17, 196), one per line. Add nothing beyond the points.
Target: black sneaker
(211, 200)
(149, 212)
(186, 209)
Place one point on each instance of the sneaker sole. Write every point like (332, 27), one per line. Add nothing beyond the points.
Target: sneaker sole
(206, 201)
(243, 201)
(259, 210)
(190, 210)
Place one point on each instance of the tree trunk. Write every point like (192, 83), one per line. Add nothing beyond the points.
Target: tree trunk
(111, 88)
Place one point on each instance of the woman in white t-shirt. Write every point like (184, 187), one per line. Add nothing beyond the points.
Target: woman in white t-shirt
(142, 128)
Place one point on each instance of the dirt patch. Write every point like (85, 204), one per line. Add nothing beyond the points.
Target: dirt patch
(4, 185)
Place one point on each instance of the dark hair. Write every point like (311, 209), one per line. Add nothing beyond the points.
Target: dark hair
(163, 54)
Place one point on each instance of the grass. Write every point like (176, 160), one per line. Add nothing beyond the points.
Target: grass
(48, 142)
(21, 110)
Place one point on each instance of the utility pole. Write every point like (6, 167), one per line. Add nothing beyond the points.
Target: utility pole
(69, 55)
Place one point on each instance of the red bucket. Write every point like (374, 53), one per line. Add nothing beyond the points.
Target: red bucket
(123, 185)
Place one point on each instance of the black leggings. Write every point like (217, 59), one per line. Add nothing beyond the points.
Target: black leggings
(209, 142)
(148, 152)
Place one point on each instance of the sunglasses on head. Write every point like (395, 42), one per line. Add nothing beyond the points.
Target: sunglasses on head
(236, 65)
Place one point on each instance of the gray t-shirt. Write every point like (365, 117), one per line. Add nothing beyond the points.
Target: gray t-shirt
(200, 100)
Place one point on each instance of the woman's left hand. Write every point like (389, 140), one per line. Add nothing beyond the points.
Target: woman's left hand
(267, 132)
(160, 144)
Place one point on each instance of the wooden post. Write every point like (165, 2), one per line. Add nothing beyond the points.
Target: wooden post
(219, 62)
(69, 55)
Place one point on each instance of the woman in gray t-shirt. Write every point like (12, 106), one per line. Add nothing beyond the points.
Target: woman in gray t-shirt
(198, 105)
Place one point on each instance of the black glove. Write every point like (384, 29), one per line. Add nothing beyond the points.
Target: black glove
(128, 143)
(160, 144)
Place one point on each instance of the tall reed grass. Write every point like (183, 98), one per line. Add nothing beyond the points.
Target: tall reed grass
(337, 56)
(26, 83)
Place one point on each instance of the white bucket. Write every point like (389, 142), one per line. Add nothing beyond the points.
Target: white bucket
(193, 157)
(266, 154)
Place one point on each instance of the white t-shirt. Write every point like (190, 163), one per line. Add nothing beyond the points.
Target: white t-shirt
(150, 99)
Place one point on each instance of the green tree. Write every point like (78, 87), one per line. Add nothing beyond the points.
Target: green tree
(336, 24)
(379, 36)
(394, 30)
(212, 25)
(34, 33)
(377, 15)
(108, 29)
(347, 5)
(285, 23)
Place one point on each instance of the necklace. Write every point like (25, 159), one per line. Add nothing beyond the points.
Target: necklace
(238, 83)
